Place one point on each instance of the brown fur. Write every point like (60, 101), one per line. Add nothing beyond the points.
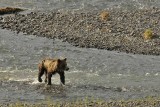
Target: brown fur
(50, 67)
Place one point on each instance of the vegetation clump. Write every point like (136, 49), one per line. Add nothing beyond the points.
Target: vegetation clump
(104, 15)
(148, 34)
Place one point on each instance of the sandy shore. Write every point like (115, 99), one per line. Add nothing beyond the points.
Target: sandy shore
(122, 31)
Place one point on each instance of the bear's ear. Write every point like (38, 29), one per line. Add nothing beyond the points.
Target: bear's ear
(65, 59)
(59, 60)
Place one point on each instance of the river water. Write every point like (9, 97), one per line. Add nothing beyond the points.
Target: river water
(93, 73)
(80, 4)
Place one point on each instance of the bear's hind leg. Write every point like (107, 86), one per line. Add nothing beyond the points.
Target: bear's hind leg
(41, 72)
(45, 77)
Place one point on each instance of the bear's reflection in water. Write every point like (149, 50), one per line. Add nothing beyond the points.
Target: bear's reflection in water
(27, 88)
(52, 90)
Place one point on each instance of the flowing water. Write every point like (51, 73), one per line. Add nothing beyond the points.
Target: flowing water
(93, 73)
(80, 4)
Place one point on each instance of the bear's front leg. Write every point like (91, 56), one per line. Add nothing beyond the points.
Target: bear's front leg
(49, 75)
(62, 77)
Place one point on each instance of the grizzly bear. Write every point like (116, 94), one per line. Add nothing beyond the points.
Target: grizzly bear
(50, 67)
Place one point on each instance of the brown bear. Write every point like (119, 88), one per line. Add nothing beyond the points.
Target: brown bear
(50, 67)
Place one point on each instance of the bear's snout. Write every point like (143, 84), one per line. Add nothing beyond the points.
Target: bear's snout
(67, 68)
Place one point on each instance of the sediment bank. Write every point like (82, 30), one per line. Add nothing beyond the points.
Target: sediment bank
(121, 32)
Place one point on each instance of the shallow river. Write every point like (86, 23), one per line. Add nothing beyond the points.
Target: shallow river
(80, 4)
(93, 73)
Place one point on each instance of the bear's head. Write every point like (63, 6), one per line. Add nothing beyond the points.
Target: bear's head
(62, 64)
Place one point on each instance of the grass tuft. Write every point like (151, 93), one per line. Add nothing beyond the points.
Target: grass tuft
(90, 102)
(148, 34)
(104, 15)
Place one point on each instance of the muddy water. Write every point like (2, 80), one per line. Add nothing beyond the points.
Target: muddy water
(93, 73)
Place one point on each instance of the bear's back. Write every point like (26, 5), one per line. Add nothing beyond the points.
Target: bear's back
(50, 64)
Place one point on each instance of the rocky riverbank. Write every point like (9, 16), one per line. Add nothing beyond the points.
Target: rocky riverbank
(146, 102)
(122, 31)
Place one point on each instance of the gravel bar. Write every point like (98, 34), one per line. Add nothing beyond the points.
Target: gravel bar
(122, 31)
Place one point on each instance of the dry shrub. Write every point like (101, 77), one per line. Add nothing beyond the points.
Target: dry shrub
(148, 34)
(104, 15)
